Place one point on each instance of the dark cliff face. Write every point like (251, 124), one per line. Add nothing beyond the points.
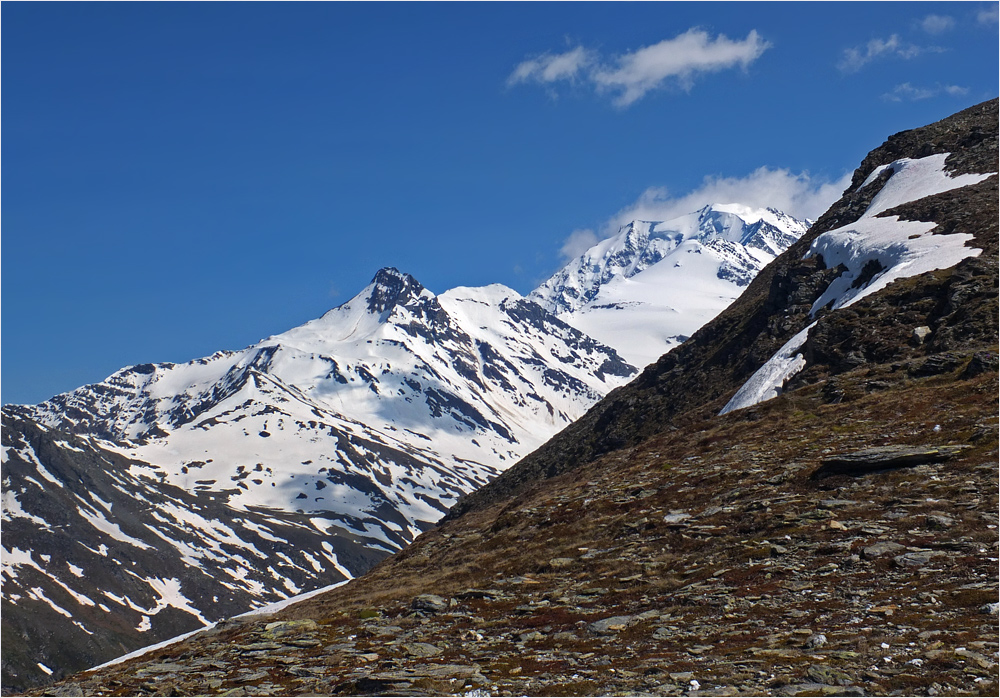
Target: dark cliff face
(694, 381)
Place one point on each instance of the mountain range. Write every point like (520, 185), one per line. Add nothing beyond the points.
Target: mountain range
(800, 499)
(169, 496)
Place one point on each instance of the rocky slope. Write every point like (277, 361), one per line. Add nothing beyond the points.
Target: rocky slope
(838, 538)
(648, 288)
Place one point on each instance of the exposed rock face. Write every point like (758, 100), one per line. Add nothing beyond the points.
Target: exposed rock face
(885, 458)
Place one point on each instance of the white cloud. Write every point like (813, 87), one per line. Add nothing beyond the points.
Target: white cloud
(854, 59)
(909, 93)
(551, 67)
(632, 75)
(990, 15)
(578, 242)
(680, 58)
(936, 24)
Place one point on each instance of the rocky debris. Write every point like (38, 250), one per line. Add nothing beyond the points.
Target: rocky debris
(981, 362)
(886, 457)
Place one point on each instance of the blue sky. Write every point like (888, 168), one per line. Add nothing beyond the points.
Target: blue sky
(180, 178)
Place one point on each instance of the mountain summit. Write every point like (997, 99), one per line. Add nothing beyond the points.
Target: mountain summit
(392, 287)
(651, 286)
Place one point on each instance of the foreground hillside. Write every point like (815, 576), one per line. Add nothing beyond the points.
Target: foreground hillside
(834, 532)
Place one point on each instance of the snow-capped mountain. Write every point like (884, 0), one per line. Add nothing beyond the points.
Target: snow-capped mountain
(423, 396)
(358, 430)
(649, 287)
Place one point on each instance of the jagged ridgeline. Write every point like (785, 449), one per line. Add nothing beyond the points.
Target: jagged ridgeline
(800, 499)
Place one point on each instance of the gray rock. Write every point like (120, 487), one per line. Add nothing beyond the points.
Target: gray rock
(821, 673)
(882, 548)
(937, 521)
(819, 689)
(815, 640)
(663, 634)
(610, 626)
(920, 334)
(884, 458)
(430, 603)
(289, 627)
(916, 559)
(421, 649)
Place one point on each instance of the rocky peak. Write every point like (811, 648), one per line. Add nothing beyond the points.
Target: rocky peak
(390, 288)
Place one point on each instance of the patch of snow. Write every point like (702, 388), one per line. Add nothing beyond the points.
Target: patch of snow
(900, 248)
(12, 509)
(768, 380)
(38, 594)
(111, 529)
(262, 611)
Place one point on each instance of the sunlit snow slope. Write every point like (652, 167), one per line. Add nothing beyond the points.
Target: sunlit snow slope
(649, 287)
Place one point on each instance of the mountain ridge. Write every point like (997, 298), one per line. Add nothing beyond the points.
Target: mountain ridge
(344, 437)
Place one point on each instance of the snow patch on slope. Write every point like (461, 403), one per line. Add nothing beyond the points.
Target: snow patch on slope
(898, 249)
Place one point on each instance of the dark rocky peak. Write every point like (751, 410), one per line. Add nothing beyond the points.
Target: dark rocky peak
(390, 288)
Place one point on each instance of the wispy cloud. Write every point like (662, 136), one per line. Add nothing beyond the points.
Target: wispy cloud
(937, 24)
(551, 67)
(989, 15)
(906, 92)
(856, 58)
(631, 76)
(578, 242)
